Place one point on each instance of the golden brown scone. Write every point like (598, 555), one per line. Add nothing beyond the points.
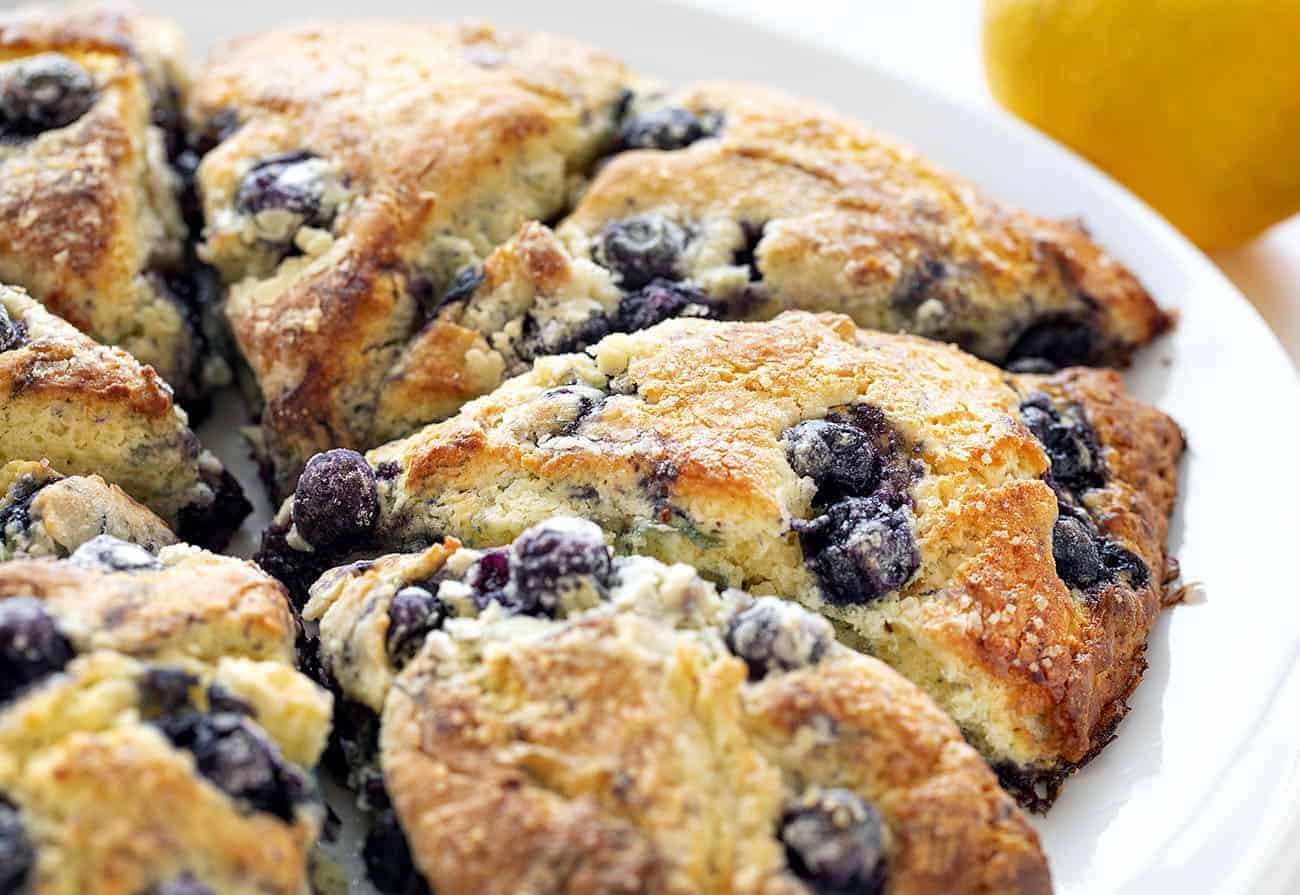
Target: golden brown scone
(998, 537)
(558, 720)
(154, 734)
(45, 514)
(94, 228)
(359, 168)
(88, 409)
(740, 202)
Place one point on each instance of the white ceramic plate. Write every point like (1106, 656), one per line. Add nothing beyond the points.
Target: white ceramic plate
(1200, 792)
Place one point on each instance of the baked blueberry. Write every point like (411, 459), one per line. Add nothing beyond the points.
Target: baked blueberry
(860, 549)
(668, 128)
(336, 499)
(387, 857)
(640, 249)
(239, 759)
(412, 614)
(775, 635)
(838, 457)
(16, 853)
(185, 884)
(13, 333)
(1061, 343)
(167, 689)
(1074, 547)
(1071, 446)
(285, 192)
(31, 645)
(833, 840)
(552, 558)
(1122, 562)
(41, 93)
(660, 300)
(109, 554)
(466, 282)
(488, 577)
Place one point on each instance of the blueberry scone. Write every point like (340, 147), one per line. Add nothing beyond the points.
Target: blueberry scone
(43, 513)
(356, 171)
(154, 734)
(553, 719)
(735, 202)
(997, 537)
(89, 128)
(88, 409)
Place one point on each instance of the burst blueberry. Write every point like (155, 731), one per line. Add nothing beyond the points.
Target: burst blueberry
(13, 333)
(1074, 548)
(641, 249)
(671, 127)
(105, 553)
(1060, 343)
(660, 300)
(834, 840)
(16, 853)
(1071, 446)
(31, 645)
(166, 689)
(412, 614)
(552, 558)
(41, 93)
(774, 635)
(860, 549)
(286, 192)
(337, 499)
(838, 457)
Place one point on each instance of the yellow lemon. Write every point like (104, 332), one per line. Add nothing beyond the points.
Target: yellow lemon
(1193, 104)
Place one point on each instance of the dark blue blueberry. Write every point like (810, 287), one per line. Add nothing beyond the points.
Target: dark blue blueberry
(41, 93)
(31, 645)
(412, 614)
(1121, 562)
(105, 553)
(834, 840)
(839, 457)
(291, 182)
(1060, 343)
(337, 499)
(16, 852)
(550, 558)
(860, 549)
(539, 339)
(388, 858)
(488, 577)
(464, 286)
(1071, 446)
(640, 249)
(167, 690)
(671, 127)
(1074, 547)
(774, 635)
(222, 700)
(185, 884)
(13, 333)
(658, 301)
(239, 759)
(16, 512)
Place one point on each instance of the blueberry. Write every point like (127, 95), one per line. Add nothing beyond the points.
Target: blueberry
(1060, 343)
(239, 759)
(551, 558)
(412, 614)
(222, 700)
(105, 553)
(1121, 562)
(657, 301)
(860, 549)
(387, 856)
(185, 884)
(167, 690)
(295, 186)
(668, 128)
(31, 645)
(464, 286)
(15, 514)
(539, 337)
(41, 93)
(336, 499)
(13, 333)
(834, 840)
(838, 457)
(1032, 365)
(1074, 547)
(16, 852)
(640, 249)
(774, 635)
(1070, 446)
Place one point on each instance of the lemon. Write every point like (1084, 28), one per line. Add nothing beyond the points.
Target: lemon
(1193, 104)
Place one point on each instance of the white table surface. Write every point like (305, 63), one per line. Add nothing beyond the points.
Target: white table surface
(938, 42)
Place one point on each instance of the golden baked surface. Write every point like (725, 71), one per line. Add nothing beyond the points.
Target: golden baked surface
(554, 721)
(153, 729)
(999, 538)
(93, 226)
(89, 409)
(359, 169)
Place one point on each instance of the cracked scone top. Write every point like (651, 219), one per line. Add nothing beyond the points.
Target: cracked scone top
(89, 409)
(154, 734)
(89, 129)
(998, 537)
(356, 171)
(554, 719)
